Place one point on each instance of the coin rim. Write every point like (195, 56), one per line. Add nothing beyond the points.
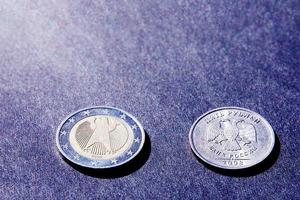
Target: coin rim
(101, 167)
(198, 154)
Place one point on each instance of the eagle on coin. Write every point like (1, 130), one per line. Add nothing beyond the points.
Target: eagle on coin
(232, 135)
(101, 135)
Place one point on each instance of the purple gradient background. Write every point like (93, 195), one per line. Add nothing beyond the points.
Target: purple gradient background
(166, 62)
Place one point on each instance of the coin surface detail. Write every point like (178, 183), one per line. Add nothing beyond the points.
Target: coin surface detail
(100, 137)
(231, 138)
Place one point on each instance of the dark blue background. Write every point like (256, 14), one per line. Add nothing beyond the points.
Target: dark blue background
(166, 62)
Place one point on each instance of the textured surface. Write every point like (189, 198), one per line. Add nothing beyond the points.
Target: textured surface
(166, 62)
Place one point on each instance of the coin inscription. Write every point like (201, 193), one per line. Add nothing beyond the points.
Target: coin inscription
(232, 138)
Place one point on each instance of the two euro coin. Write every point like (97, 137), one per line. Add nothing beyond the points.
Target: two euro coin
(231, 138)
(100, 137)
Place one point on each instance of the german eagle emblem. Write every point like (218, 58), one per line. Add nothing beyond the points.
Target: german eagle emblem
(101, 135)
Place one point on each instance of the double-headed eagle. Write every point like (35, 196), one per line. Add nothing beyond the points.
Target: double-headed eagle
(232, 135)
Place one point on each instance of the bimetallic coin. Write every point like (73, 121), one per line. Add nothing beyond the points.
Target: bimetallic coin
(232, 138)
(100, 137)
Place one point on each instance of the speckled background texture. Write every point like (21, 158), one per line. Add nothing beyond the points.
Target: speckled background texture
(165, 62)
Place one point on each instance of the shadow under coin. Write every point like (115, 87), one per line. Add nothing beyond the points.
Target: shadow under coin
(123, 170)
(251, 171)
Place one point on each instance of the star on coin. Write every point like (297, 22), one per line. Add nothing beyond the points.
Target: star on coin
(105, 112)
(93, 163)
(63, 133)
(123, 116)
(76, 157)
(134, 127)
(86, 113)
(72, 120)
(137, 140)
(114, 161)
(129, 153)
(65, 146)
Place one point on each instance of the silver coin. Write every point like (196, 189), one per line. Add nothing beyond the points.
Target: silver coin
(100, 137)
(232, 138)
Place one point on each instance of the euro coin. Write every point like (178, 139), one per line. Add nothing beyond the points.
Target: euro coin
(100, 137)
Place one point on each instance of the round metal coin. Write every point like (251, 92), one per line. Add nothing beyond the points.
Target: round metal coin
(100, 137)
(232, 138)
